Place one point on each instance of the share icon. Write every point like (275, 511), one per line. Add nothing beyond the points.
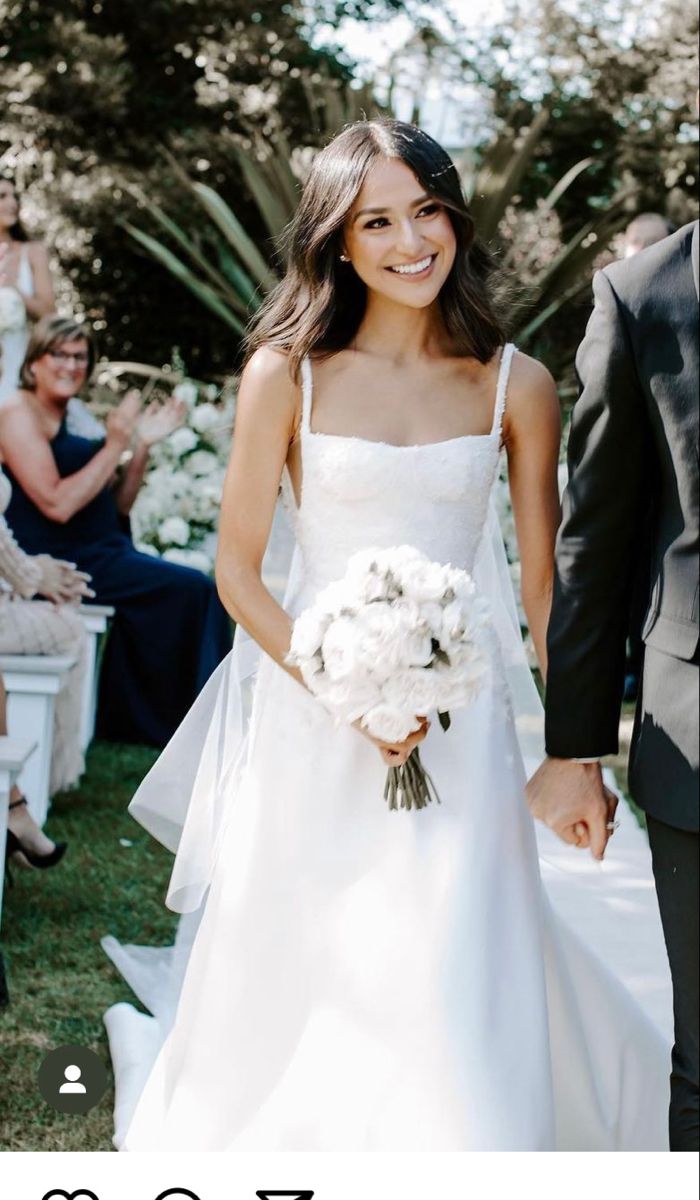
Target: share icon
(289, 1195)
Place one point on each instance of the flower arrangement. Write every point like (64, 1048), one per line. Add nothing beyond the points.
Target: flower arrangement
(176, 512)
(397, 638)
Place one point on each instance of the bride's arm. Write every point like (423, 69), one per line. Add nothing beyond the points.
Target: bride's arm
(532, 434)
(266, 413)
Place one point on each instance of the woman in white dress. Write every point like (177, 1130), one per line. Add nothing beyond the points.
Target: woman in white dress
(25, 280)
(352, 978)
(24, 268)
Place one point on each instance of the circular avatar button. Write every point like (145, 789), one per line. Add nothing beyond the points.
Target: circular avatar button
(72, 1079)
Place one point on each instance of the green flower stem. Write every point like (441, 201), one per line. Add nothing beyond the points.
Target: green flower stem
(412, 782)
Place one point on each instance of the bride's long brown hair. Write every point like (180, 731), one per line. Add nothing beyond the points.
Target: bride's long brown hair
(319, 304)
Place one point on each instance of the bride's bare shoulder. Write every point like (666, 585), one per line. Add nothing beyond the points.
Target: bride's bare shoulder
(532, 392)
(268, 367)
(267, 387)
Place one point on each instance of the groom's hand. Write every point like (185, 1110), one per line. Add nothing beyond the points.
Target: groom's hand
(571, 798)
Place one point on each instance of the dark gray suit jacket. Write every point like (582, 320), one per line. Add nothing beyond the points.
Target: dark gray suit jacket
(632, 502)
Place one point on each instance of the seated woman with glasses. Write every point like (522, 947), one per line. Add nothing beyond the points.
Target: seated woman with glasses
(170, 630)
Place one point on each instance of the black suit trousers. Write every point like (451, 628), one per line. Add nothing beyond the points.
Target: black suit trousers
(676, 872)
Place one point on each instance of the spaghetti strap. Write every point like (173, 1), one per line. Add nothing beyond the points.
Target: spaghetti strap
(502, 388)
(307, 391)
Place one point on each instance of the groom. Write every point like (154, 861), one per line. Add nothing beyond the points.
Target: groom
(633, 495)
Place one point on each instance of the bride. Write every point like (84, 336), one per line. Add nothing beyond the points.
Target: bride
(350, 978)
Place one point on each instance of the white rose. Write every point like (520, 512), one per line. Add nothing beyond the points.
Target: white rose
(174, 532)
(205, 417)
(307, 635)
(416, 635)
(187, 391)
(414, 690)
(453, 624)
(381, 642)
(182, 441)
(147, 548)
(339, 648)
(347, 699)
(424, 581)
(338, 597)
(202, 462)
(389, 724)
(458, 684)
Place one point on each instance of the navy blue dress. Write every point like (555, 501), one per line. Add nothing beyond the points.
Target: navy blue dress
(170, 630)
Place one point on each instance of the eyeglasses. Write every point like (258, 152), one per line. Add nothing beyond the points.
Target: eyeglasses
(62, 359)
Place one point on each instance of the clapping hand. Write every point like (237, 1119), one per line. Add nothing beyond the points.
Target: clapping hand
(122, 421)
(160, 420)
(571, 799)
(61, 582)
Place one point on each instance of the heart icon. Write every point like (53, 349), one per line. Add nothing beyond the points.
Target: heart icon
(62, 1194)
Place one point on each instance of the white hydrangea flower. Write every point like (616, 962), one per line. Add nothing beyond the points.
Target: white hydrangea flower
(182, 441)
(188, 391)
(202, 462)
(174, 531)
(204, 418)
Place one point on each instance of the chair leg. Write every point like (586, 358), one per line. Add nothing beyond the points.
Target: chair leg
(4, 993)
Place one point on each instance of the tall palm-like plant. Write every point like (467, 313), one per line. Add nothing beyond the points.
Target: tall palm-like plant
(226, 270)
(548, 288)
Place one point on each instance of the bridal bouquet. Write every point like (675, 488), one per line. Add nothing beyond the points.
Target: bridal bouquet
(13, 315)
(397, 638)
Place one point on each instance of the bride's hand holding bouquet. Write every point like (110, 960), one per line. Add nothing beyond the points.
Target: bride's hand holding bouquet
(399, 637)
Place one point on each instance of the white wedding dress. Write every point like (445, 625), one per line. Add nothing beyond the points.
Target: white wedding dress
(349, 978)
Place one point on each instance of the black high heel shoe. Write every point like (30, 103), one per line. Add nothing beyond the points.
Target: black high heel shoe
(29, 858)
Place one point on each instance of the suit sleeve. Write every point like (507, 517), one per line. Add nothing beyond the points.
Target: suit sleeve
(598, 542)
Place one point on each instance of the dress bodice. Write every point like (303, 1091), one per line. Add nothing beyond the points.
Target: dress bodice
(358, 493)
(13, 343)
(25, 275)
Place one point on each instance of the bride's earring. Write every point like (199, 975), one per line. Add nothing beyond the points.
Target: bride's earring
(344, 258)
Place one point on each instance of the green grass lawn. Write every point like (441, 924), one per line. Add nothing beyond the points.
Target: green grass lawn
(60, 980)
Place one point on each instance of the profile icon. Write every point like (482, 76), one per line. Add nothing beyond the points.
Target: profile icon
(72, 1086)
(72, 1079)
